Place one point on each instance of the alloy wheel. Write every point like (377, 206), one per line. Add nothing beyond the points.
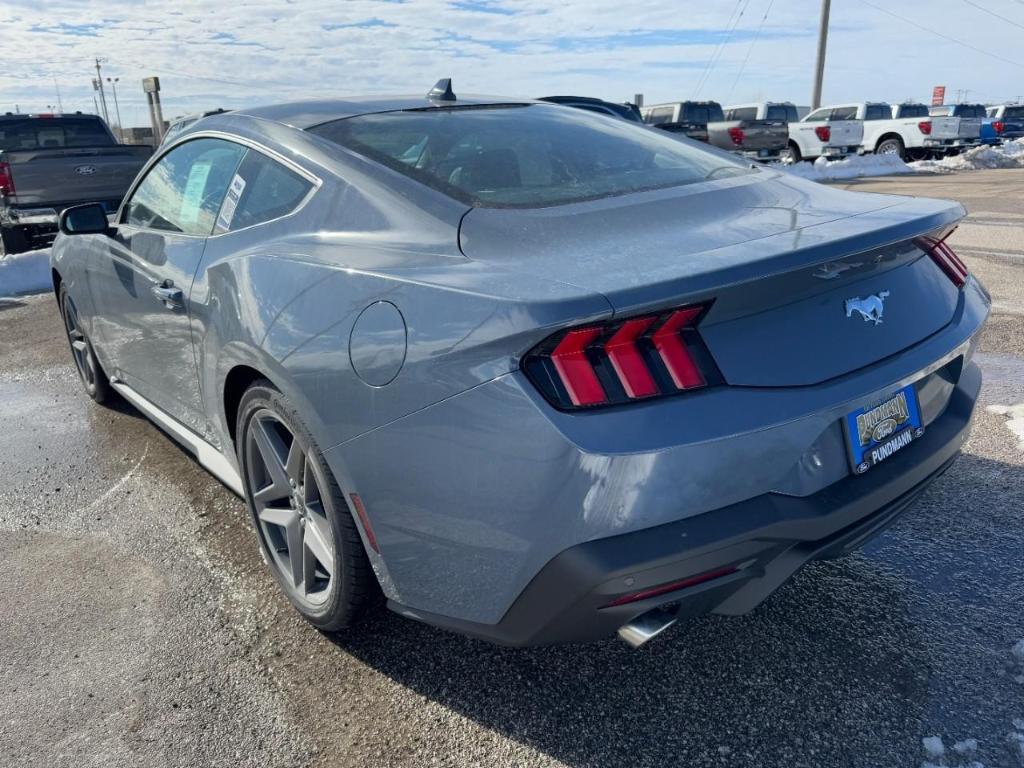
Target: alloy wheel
(81, 351)
(287, 494)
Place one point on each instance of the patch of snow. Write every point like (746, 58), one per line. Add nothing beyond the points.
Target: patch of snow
(933, 746)
(1008, 155)
(1015, 423)
(966, 747)
(23, 273)
(854, 167)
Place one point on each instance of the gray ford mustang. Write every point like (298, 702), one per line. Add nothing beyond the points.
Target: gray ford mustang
(535, 374)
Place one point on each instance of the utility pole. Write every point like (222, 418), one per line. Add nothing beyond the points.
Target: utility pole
(151, 85)
(103, 96)
(117, 108)
(819, 68)
(60, 104)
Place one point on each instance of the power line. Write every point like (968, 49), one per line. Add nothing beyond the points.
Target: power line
(993, 13)
(905, 20)
(707, 66)
(757, 36)
(721, 49)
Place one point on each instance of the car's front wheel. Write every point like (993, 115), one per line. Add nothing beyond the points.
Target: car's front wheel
(95, 381)
(305, 530)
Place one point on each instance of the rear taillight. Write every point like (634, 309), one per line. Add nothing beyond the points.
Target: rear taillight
(623, 361)
(737, 135)
(999, 126)
(925, 127)
(823, 132)
(6, 180)
(945, 258)
(672, 586)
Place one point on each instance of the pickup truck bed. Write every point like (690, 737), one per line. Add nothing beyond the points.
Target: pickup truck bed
(759, 139)
(38, 182)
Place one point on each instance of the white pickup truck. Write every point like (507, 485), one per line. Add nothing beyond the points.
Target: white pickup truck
(831, 132)
(907, 130)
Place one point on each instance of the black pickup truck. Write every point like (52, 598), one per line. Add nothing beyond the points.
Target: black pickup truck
(51, 162)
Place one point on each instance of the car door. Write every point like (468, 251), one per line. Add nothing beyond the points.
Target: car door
(141, 279)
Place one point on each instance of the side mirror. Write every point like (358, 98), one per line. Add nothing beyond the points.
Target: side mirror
(88, 219)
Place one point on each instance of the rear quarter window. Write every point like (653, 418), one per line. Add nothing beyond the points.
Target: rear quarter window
(261, 190)
(53, 133)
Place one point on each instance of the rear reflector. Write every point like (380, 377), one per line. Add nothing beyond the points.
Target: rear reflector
(945, 258)
(823, 132)
(371, 537)
(672, 586)
(623, 361)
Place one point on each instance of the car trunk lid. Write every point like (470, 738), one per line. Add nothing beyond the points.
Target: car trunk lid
(779, 257)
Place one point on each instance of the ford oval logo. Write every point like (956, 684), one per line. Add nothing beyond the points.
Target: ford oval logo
(85, 170)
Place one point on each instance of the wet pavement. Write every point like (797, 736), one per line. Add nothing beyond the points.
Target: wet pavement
(139, 626)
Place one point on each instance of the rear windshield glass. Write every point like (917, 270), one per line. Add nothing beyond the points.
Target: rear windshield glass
(913, 110)
(53, 133)
(1015, 112)
(785, 112)
(527, 155)
(969, 110)
(702, 113)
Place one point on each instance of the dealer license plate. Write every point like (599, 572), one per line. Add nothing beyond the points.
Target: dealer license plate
(875, 433)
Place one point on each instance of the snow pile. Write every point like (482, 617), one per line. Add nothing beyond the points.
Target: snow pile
(1015, 422)
(27, 272)
(1009, 155)
(853, 167)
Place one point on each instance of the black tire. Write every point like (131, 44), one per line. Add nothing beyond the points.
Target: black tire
(12, 241)
(891, 146)
(794, 152)
(351, 586)
(94, 378)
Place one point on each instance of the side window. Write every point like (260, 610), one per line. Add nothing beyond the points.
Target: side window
(659, 115)
(184, 190)
(844, 113)
(262, 189)
(877, 112)
(743, 113)
(818, 115)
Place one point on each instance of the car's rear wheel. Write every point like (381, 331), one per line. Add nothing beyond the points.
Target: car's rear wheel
(891, 146)
(794, 152)
(95, 381)
(12, 241)
(305, 530)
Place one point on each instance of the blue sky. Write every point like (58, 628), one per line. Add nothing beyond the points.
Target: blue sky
(215, 54)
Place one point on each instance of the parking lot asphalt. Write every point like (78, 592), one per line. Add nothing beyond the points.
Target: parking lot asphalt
(138, 625)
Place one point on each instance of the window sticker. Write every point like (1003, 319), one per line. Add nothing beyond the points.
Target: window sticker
(227, 210)
(192, 200)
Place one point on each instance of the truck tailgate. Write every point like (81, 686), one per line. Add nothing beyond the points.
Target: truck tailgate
(970, 128)
(845, 133)
(946, 127)
(764, 134)
(51, 177)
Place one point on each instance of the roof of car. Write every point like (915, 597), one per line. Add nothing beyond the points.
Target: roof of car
(306, 114)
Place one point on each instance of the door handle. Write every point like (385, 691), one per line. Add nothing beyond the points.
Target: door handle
(171, 297)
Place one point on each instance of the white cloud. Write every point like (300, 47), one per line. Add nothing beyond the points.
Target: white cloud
(211, 54)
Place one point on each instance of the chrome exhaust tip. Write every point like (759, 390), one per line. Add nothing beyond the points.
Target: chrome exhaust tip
(645, 628)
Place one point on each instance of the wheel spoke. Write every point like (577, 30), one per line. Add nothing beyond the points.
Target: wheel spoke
(318, 542)
(278, 516)
(294, 466)
(271, 449)
(78, 344)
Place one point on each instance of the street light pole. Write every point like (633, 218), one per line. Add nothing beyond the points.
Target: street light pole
(103, 96)
(117, 108)
(819, 68)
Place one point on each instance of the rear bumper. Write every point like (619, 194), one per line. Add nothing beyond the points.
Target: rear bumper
(766, 539)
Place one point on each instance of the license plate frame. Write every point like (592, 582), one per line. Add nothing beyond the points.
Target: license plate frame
(877, 431)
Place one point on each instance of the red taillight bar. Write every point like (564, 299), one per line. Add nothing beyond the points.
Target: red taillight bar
(945, 258)
(737, 135)
(6, 180)
(823, 132)
(623, 360)
(999, 126)
(576, 372)
(925, 127)
(672, 586)
(627, 361)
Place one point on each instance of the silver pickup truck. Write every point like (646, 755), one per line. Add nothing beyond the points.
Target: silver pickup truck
(706, 121)
(51, 162)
